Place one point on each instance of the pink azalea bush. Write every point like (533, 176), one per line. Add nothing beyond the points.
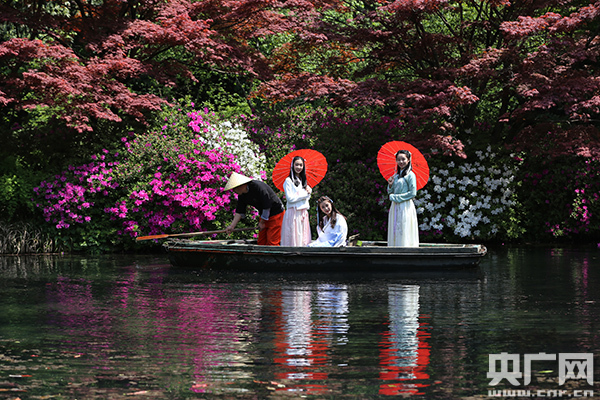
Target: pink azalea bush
(181, 187)
(70, 198)
(168, 180)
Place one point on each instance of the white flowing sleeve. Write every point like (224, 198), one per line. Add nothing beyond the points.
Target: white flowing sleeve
(340, 232)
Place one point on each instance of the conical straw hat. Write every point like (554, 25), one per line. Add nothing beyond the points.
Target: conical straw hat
(236, 180)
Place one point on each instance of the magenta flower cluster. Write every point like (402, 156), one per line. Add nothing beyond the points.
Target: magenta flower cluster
(165, 181)
(180, 200)
(71, 196)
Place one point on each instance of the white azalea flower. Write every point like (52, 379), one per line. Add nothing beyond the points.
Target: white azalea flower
(468, 212)
(235, 141)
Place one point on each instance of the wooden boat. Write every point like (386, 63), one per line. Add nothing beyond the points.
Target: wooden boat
(247, 255)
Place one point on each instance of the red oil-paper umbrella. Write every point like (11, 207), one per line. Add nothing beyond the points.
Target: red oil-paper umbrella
(315, 165)
(386, 161)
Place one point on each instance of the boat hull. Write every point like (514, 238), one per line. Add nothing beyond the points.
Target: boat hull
(245, 255)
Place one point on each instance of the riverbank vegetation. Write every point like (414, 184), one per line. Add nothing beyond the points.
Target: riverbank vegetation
(123, 119)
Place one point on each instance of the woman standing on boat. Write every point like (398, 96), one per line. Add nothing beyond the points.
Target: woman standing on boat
(259, 195)
(332, 227)
(403, 228)
(295, 229)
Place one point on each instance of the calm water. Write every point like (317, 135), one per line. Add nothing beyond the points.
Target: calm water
(133, 327)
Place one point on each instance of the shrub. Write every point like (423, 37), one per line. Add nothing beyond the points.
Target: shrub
(560, 198)
(279, 133)
(173, 186)
(470, 199)
(74, 201)
(168, 180)
(16, 184)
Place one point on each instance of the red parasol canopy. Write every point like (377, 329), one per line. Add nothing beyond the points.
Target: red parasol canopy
(315, 164)
(386, 161)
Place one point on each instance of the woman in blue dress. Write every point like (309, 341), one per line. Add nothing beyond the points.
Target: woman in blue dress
(403, 228)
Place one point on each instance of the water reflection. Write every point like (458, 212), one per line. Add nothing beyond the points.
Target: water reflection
(113, 327)
(313, 322)
(405, 352)
(199, 330)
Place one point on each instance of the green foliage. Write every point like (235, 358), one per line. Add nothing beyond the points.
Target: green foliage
(217, 91)
(45, 144)
(560, 198)
(279, 132)
(355, 190)
(16, 189)
(11, 193)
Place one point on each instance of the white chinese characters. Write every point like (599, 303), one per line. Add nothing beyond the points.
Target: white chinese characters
(570, 366)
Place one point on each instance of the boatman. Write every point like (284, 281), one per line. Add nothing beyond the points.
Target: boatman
(259, 195)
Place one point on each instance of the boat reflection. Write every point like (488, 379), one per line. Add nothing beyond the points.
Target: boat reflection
(115, 327)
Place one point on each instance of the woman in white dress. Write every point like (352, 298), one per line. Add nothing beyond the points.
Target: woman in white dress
(403, 228)
(332, 227)
(295, 228)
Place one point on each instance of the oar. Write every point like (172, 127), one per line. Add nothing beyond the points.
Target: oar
(190, 234)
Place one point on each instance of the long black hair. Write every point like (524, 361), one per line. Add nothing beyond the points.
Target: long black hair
(301, 178)
(334, 212)
(408, 168)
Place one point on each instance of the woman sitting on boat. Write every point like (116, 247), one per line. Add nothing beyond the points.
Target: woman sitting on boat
(332, 227)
